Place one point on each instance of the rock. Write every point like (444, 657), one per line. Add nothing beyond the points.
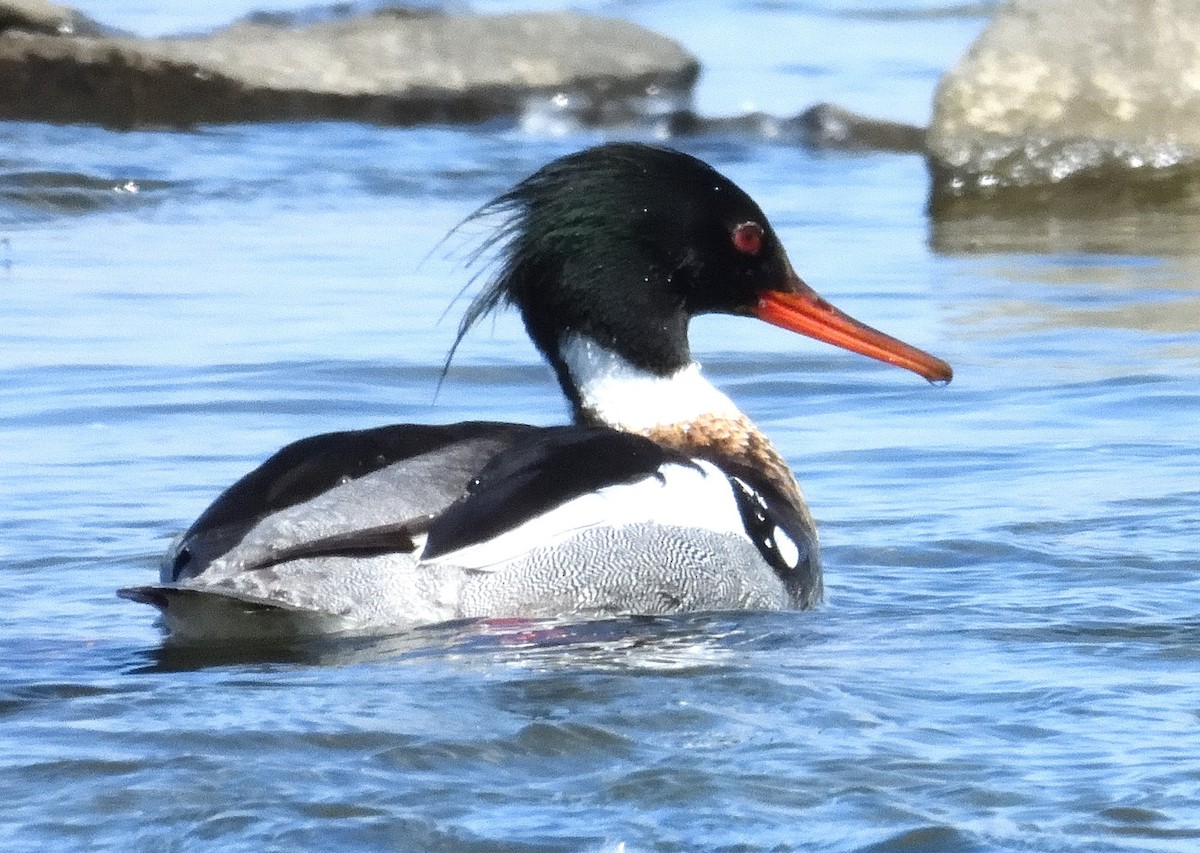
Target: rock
(1058, 95)
(40, 16)
(385, 68)
(823, 126)
(831, 126)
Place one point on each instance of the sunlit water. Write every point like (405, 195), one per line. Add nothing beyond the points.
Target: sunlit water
(1009, 654)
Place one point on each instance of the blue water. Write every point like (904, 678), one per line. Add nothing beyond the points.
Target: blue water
(1009, 654)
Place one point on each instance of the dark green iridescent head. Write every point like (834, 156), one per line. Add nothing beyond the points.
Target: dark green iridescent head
(624, 243)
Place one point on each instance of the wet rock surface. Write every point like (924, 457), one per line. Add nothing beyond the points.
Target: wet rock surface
(393, 67)
(1058, 97)
(825, 126)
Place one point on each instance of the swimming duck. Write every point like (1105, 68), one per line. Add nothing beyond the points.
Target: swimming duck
(660, 497)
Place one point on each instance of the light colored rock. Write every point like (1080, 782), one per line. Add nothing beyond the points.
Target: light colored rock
(387, 68)
(388, 54)
(1057, 89)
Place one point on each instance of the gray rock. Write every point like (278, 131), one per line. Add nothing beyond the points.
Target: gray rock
(386, 68)
(1058, 93)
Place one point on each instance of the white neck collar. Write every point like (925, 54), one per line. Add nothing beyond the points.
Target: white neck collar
(629, 398)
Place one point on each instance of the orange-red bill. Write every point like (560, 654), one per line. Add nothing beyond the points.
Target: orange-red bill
(806, 312)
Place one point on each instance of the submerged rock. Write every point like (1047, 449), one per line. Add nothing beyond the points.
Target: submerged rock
(389, 67)
(1060, 96)
(823, 126)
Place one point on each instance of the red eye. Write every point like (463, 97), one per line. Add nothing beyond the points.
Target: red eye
(748, 238)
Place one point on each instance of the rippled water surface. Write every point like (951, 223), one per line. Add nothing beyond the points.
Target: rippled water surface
(1009, 653)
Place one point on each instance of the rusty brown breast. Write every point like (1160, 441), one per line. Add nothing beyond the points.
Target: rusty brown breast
(720, 437)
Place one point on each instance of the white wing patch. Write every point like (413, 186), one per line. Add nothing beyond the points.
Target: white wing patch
(696, 496)
(789, 552)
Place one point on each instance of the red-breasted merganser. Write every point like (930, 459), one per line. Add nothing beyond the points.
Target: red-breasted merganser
(661, 496)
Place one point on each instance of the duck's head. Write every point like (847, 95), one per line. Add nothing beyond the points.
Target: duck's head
(620, 245)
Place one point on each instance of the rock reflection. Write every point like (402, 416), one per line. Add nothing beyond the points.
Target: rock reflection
(1100, 220)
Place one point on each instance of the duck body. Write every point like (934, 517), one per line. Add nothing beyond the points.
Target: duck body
(396, 526)
(661, 497)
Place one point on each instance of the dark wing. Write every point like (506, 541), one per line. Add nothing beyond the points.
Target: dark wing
(312, 466)
(545, 470)
(540, 470)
